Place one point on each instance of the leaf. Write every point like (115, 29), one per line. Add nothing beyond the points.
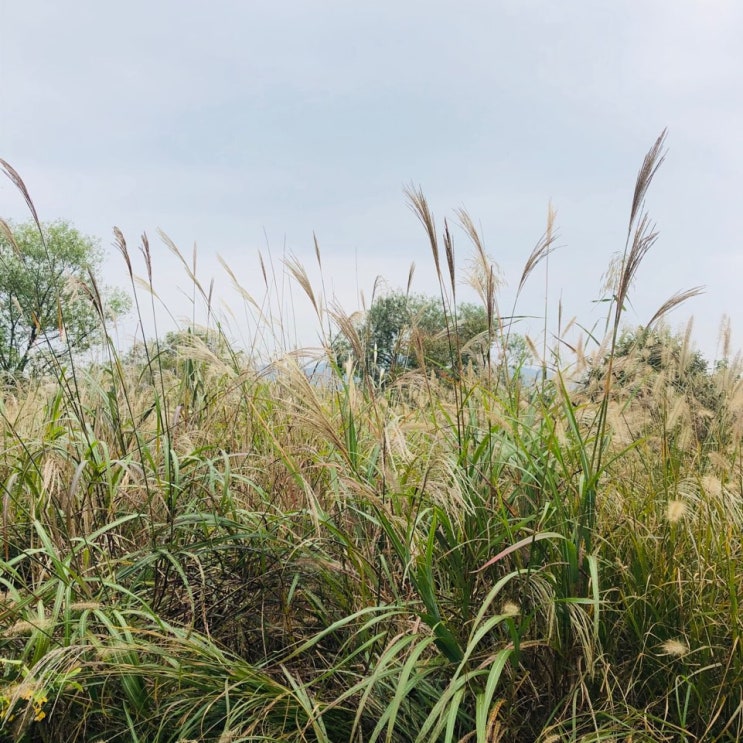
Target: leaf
(521, 543)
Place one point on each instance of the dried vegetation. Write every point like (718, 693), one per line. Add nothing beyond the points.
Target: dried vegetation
(197, 548)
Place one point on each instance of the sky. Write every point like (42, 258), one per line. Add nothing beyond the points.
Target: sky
(247, 127)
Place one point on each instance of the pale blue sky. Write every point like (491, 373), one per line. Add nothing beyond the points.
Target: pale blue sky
(244, 126)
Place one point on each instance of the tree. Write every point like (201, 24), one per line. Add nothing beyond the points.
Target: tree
(401, 332)
(51, 302)
(181, 351)
(659, 370)
(643, 353)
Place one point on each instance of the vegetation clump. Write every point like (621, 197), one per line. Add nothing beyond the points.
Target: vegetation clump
(198, 547)
(51, 301)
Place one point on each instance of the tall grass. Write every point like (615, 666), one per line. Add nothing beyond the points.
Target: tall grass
(197, 547)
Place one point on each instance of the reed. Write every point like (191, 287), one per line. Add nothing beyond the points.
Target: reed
(198, 546)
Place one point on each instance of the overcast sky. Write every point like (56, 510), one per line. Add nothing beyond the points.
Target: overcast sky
(246, 126)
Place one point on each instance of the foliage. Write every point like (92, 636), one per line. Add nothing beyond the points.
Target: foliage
(657, 350)
(476, 560)
(179, 348)
(50, 300)
(663, 372)
(401, 332)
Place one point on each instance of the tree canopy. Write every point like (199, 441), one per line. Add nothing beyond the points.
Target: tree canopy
(51, 302)
(660, 371)
(179, 351)
(401, 331)
(643, 353)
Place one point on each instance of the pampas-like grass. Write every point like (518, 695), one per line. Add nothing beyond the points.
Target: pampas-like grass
(202, 544)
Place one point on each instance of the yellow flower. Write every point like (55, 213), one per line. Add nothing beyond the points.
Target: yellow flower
(25, 691)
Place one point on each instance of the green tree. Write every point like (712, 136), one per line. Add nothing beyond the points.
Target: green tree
(180, 351)
(401, 332)
(643, 353)
(658, 368)
(51, 302)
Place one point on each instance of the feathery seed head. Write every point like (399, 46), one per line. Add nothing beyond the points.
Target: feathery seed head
(676, 648)
(675, 511)
(85, 606)
(23, 627)
(511, 609)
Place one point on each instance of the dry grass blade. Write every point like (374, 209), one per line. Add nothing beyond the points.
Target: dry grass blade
(411, 273)
(347, 328)
(377, 290)
(542, 249)
(244, 293)
(17, 181)
(419, 206)
(297, 270)
(725, 336)
(653, 160)
(147, 286)
(7, 233)
(209, 297)
(490, 297)
(91, 289)
(147, 254)
(449, 249)
(644, 239)
(317, 250)
(482, 273)
(466, 223)
(120, 243)
(190, 270)
(685, 353)
(672, 302)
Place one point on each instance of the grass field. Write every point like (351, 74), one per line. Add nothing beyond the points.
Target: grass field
(196, 547)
